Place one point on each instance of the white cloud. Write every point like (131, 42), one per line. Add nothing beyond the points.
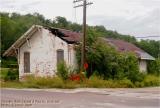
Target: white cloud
(135, 17)
(144, 25)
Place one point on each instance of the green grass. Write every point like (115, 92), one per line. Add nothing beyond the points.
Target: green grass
(99, 83)
(93, 82)
(11, 84)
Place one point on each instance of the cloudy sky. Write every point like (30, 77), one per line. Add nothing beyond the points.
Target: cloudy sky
(135, 17)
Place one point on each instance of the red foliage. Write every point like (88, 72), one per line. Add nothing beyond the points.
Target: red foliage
(75, 77)
(85, 65)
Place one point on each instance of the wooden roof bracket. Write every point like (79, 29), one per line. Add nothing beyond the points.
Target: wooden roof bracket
(28, 43)
(15, 49)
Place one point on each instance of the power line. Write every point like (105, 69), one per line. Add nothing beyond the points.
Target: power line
(84, 5)
(75, 14)
(149, 37)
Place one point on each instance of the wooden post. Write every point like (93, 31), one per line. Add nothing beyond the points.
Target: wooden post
(83, 55)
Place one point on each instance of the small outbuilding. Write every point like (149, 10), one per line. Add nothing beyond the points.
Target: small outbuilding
(123, 46)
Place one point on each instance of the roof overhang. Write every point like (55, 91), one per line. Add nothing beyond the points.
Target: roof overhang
(144, 56)
(26, 36)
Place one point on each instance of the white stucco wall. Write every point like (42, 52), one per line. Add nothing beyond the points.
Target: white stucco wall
(72, 56)
(143, 65)
(43, 56)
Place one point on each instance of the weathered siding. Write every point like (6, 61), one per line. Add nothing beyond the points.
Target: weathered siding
(143, 65)
(72, 56)
(43, 46)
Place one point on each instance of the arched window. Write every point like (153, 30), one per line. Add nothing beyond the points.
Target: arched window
(60, 55)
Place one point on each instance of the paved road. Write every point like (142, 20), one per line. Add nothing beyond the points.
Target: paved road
(81, 98)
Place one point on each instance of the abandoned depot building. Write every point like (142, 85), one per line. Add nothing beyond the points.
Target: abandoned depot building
(40, 49)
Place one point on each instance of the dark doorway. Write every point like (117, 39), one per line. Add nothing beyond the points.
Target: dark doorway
(26, 62)
(60, 56)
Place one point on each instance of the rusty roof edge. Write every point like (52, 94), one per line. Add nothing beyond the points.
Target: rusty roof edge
(59, 30)
(63, 29)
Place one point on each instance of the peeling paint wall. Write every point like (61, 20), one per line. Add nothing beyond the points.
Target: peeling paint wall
(43, 46)
(72, 56)
(143, 65)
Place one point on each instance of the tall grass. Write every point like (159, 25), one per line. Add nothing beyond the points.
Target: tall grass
(96, 82)
(151, 80)
(93, 82)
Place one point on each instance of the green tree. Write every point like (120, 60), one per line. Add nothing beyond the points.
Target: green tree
(61, 22)
(154, 67)
(150, 46)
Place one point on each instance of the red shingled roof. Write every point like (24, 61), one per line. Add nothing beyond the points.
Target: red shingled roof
(71, 36)
(123, 45)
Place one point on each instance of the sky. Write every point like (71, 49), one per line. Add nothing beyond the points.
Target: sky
(138, 18)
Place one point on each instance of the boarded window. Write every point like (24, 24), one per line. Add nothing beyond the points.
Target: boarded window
(26, 62)
(60, 56)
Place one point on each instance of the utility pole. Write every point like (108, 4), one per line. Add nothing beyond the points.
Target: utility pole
(84, 5)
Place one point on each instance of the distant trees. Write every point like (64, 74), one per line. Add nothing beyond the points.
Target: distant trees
(150, 46)
(61, 22)
(14, 25)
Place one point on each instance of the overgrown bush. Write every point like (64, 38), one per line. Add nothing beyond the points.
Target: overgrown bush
(154, 67)
(10, 74)
(9, 62)
(3, 73)
(136, 76)
(109, 63)
(62, 71)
